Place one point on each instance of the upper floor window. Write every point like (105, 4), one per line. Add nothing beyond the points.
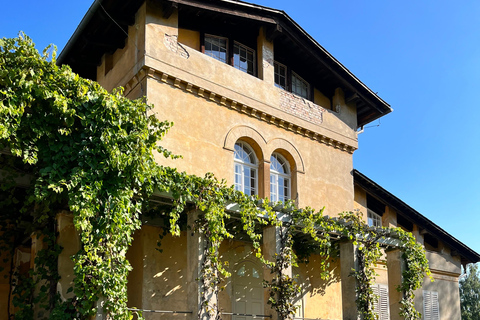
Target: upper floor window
(280, 75)
(216, 47)
(289, 80)
(239, 56)
(374, 219)
(246, 168)
(299, 86)
(244, 58)
(279, 178)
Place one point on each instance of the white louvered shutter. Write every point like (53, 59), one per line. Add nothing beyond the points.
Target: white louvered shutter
(382, 306)
(431, 309)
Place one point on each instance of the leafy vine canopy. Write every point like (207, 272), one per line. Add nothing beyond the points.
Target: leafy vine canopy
(91, 152)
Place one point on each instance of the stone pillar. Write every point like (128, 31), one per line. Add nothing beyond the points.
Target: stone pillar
(272, 245)
(265, 58)
(68, 238)
(395, 267)
(389, 218)
(264, 174)
(195, 258)
(37, 245)
(348, 264)
(417, 233)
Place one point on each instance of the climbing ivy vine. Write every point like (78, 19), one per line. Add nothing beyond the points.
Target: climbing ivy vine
(93, 153)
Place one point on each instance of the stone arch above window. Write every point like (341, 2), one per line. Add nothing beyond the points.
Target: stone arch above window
(249, 135)
(288, 150)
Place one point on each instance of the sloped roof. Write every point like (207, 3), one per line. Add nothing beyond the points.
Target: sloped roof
(104, 29)
(467, 254)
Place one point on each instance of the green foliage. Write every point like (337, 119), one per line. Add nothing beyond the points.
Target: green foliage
(470, 293)
(92, 153)
(88, 148)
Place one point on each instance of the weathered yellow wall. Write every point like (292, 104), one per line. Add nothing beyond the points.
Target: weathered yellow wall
(158, 279)
(201, 128)
(360, 201)
(323, 299)
(203, 133)
(190, 38)
(448, 295)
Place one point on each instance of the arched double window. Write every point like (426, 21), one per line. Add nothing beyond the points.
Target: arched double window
(246, 169)
(280, 178)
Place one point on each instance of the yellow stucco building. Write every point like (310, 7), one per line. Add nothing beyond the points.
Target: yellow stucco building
(258, 102)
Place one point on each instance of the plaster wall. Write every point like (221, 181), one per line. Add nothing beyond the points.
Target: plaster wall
(360, 202)
(201, 126)
(158, 279)
(201, 129)
(444, 262)
(448, 295)
(164, 52)
(322, 298)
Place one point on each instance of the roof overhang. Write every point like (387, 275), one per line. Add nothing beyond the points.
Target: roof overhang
(467, 254)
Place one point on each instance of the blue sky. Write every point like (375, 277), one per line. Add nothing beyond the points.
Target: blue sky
(422, 57)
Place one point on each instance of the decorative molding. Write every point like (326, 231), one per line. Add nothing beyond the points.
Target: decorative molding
(243, 131)
(444, 275)
(234, 105)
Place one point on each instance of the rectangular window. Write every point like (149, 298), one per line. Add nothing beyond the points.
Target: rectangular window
(431, 309)
(244, 58)
(216, 47)
(374, 219)
(299, 86)
(280, 75)
(273, 189)
(382, 306)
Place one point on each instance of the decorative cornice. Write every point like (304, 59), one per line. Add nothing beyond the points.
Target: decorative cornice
(234, 105)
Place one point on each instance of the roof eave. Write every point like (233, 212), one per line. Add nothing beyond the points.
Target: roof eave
(389, 199)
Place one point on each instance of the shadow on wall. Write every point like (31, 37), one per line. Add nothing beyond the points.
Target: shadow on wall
(310, 275)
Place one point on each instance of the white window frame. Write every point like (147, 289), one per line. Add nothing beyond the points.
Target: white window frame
(247, 50)
(210, 36)
(382, 306)
(278, 65)
(276, 175)
(431, 307)
(373, 218)
(296, 77)
(243, 166)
